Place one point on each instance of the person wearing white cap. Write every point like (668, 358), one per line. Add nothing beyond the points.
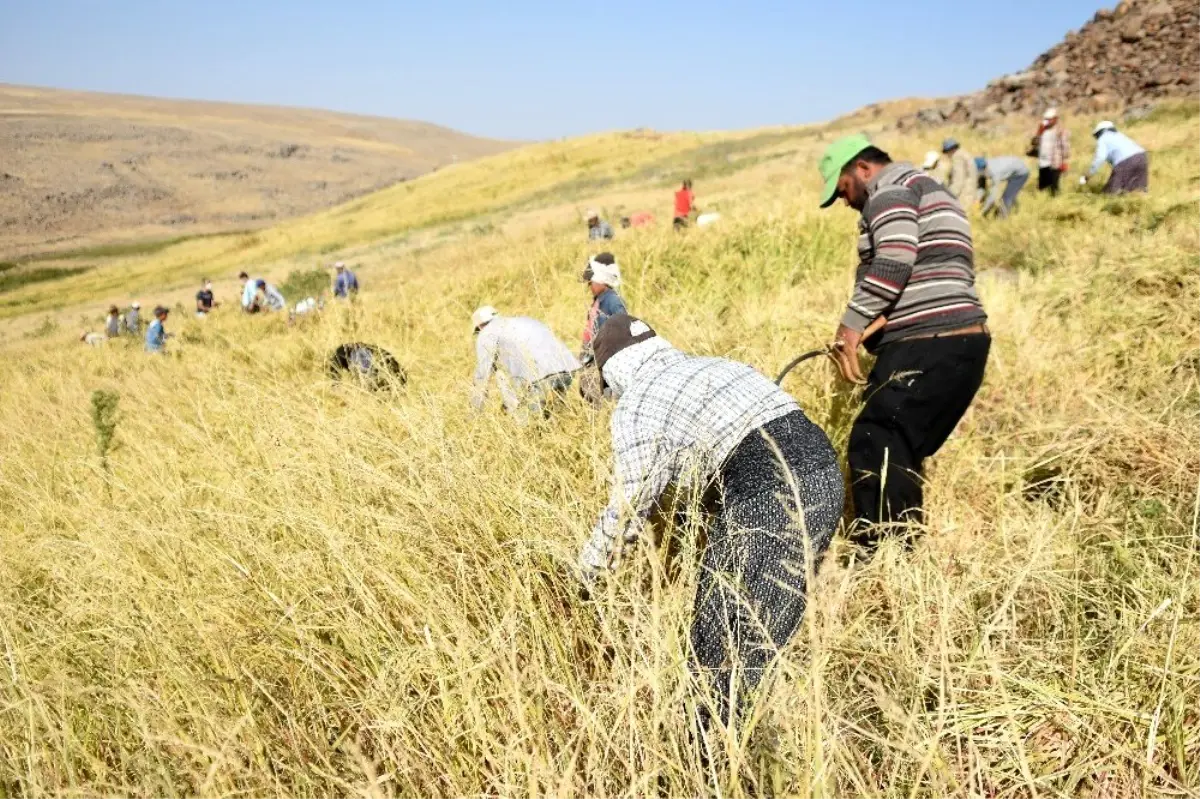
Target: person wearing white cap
(133, 320)
(345, 283)
(1053, 151)
(204, 299)
(597, 227)
(1130, 164)
(532, 366)
(930, 165)
(603, 276)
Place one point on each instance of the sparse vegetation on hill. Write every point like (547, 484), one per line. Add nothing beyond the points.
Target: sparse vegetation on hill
(280, 585)
(85, 170)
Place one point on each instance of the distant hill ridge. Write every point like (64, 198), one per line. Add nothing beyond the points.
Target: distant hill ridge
(82, 168)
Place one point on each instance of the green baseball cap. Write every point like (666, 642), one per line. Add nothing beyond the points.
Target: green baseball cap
(836, 156)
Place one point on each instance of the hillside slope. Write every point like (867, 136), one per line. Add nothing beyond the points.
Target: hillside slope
(81, 168)
(275, 584)
(531, 180)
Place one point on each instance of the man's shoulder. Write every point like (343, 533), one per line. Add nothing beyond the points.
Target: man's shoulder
(611, 302)
(910, 187)
(904, 190)
(521, 325)
(699, 370)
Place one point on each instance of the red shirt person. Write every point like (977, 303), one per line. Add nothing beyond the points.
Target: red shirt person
(683, 204)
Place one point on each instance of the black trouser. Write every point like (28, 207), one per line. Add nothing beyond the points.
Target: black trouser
(1048, 178)
(915, 395)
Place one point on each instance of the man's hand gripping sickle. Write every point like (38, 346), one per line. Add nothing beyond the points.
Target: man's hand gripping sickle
(844, 349)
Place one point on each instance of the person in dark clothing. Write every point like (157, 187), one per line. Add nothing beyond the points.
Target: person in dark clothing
(915, 284)
(204, 298)
(374, 367)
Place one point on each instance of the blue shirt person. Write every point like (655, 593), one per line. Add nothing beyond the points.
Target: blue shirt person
(597, 227)
(1130, 164)
(345, 284)
(156, 336)
(603, 276)
(1114, 147)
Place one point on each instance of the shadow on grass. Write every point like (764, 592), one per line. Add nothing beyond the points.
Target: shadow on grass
(118, 249)
(10, 280)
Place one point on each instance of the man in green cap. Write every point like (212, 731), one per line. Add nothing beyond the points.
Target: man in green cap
(914, 297)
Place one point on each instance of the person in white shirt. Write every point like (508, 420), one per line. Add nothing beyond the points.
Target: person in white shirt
(765, 478)
(249, 293)
(1130, 164)
(133, 319)
(533, 368)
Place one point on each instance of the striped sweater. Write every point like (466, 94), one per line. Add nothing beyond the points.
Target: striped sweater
(916, 262)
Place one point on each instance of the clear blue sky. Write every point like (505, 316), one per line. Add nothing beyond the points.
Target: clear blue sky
(534, 70)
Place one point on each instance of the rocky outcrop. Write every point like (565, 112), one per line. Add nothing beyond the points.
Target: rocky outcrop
(1124, 58)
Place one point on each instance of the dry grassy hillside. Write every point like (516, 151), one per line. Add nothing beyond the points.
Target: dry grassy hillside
(277, 585)
(78, 169)
(533, 180)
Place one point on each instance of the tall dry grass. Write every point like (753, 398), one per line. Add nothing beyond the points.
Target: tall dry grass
(281, 585)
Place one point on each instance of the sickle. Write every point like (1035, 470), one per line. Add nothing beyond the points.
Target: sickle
(799, 359)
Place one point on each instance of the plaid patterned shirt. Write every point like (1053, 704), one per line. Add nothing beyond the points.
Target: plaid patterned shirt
(676, 424)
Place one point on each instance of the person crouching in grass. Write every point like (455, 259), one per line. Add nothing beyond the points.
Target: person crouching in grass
(156, 334)
(603, 277)
(717, 427)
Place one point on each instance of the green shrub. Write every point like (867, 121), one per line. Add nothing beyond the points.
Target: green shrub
(303, 283)
(13, 280)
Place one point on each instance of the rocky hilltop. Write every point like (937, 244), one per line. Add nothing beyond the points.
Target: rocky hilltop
(1124, 59)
